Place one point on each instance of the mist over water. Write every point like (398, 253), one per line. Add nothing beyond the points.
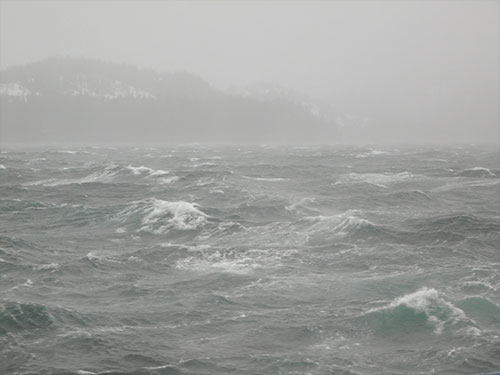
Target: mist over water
(399, 72)
(251, 260)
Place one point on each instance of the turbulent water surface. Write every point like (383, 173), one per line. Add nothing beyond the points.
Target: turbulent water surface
(296, 260)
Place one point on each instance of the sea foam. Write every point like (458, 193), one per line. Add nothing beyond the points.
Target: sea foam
(426, 305)
(376, 179)
(158, 216)
(108, 173)
(142, 170)
(341, 225)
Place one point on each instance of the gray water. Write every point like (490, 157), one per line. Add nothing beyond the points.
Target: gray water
(263, 260)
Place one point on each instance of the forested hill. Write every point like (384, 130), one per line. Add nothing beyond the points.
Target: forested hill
(62, 100)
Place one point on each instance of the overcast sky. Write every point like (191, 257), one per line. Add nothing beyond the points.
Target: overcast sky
(429, 58)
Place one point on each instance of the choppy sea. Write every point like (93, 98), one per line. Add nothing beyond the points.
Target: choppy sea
(251, 260)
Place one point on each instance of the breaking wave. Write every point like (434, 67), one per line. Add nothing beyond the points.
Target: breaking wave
(349, 223)
(425, 310)
(138, 171)
(147, 254)
(158, 216)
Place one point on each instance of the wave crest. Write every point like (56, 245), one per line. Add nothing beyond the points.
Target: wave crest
(346, 224)
(158, 216)
(477, 172)
(414, 312)
(107, 174)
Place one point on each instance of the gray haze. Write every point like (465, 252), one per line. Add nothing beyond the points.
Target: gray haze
(408, 71)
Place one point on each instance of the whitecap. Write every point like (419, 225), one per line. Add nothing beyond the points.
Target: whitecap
(142, 170)
(109, 173)
(379, 152)
(215, 263)
(206, 164)
(272, 179)
(49, 266)
(27, 284)
(92, 257)
(105, 175)
(138, 170)
(168, 180)
(205, 181)
(133, 259)
(75, 334)
(341, 224)
(352, 223)
(217, 191)
(159, 216)
(159, 172)
(371, 153)
(377, 179)
(428, 301)
(472, 331)
(51, 182)
(232, 261)
(183, 215)
(145, 171)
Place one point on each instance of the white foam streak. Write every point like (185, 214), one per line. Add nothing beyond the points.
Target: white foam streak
(377, 179)
(479, 171)
(109, 173)
(271, 179)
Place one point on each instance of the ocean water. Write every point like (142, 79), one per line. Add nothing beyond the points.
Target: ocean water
(252, 260)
